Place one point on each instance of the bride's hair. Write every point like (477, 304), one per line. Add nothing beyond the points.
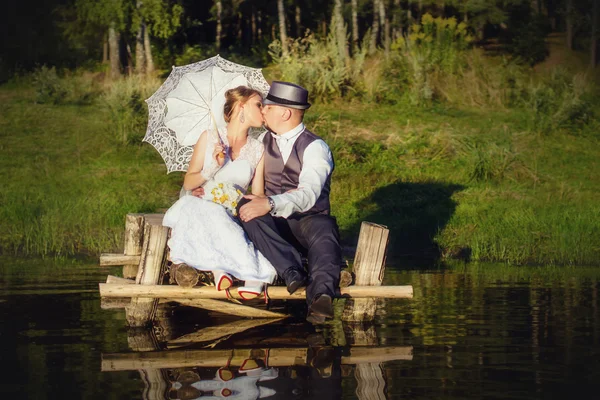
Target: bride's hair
(233, 96)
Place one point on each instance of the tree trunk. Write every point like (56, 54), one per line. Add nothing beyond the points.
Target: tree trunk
(298, 19)
(113, 50)
(354, 25)
(282, 30)
(139, 50)
(340, 34)
(259, 27)
(397, 20)
(219, 10)
(386, 27)
(254, 36)
(569, 18)
(595, 33)
(149, 59)
(105, 49)
(374, 27)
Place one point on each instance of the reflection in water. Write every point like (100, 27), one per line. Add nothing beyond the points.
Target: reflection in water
(475, 332)
(314, 370)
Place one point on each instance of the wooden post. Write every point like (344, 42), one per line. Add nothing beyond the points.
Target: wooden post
(369, 265)
(151, 270)
(156, 385)
(134, 238)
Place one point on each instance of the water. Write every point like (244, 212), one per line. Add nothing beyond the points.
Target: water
(472, 332)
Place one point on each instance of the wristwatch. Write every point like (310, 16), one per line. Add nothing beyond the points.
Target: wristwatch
(271, 204)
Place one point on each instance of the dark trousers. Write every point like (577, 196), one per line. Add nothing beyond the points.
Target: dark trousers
(283, 241)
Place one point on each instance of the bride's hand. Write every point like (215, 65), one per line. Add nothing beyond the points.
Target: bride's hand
(219, 154)
(198, 192)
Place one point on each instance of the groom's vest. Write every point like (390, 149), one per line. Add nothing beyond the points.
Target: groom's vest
(280, 178)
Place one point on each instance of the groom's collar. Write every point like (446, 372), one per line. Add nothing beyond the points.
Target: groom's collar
(290, 134)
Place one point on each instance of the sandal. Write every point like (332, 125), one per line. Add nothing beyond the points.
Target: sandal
(251, 289)
(223, 280)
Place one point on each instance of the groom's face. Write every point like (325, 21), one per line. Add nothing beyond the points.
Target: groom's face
(273, 116)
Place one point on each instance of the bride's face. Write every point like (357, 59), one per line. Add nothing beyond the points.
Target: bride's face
(253, 111)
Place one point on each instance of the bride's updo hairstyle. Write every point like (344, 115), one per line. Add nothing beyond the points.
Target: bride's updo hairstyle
(240, 94)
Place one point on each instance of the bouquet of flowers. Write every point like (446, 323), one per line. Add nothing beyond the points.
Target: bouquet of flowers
(225, 194)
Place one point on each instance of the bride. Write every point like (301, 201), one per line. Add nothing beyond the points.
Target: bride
(205, 234)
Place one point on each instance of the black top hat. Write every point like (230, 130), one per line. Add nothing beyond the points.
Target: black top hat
(287, 95)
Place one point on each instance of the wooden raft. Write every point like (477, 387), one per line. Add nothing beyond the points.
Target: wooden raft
(145, 257)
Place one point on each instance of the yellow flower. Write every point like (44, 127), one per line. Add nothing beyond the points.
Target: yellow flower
(427, 19)
(220, 185)
(451, 22)
(415, 28)
(234, 204)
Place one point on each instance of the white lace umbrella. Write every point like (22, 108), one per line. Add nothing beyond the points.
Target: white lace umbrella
(191, 101)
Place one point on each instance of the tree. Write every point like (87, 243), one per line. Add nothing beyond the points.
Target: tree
(282, 28)
(374, 27)
(109, 15)
(354, 26)
(594, 41)
(337, 22)
(569, 22)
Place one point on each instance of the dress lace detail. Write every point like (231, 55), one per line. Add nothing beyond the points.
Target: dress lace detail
(204, 235)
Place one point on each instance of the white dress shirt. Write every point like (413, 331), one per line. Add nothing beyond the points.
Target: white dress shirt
(317, 164)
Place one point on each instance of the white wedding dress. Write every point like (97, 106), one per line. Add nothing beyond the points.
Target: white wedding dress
(204, 235)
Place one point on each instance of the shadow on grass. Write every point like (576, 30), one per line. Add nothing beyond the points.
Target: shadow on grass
(414, 214)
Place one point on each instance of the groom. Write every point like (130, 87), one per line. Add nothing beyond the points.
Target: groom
(295, 215)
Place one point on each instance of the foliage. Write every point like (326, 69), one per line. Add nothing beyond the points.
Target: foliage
(528, 42)
(317, 65)
(437, 45)
(560, 100)
(75, 88)
(127, 110)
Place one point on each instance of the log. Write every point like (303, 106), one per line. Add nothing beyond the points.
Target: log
(227, 307)
(150, 272)
(133, 243)
(275, 292)
(275, 357)
(369, 266)
(112, 303)
(112, 259)
(111, 279)
(212, 333)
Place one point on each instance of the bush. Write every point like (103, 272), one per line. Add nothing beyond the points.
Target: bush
(125, 100)
(74, 88)
(559, 101)
(49, 87)
(528, 42)
(319, 67)
(436, 46)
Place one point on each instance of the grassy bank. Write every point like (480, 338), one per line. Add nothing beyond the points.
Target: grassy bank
(468, 182)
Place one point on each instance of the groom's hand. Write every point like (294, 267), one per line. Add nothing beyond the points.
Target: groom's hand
(256, 207)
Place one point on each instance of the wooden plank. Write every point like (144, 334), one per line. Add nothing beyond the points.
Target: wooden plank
(111, 279)
(212, 333)
(133, 243)
(275, 357)
(227, 307)
(275, 292)
(112, 259)
(369, 266)
(150, 272)
(369, 262)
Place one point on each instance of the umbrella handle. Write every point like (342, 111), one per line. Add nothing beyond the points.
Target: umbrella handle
(221, 155)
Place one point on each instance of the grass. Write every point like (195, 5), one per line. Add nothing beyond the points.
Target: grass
(484, 182)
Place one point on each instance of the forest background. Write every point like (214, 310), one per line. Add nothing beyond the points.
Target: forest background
(469, 127)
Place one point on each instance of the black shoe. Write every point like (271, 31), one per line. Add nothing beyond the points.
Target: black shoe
(294, 279)
(320, 309)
